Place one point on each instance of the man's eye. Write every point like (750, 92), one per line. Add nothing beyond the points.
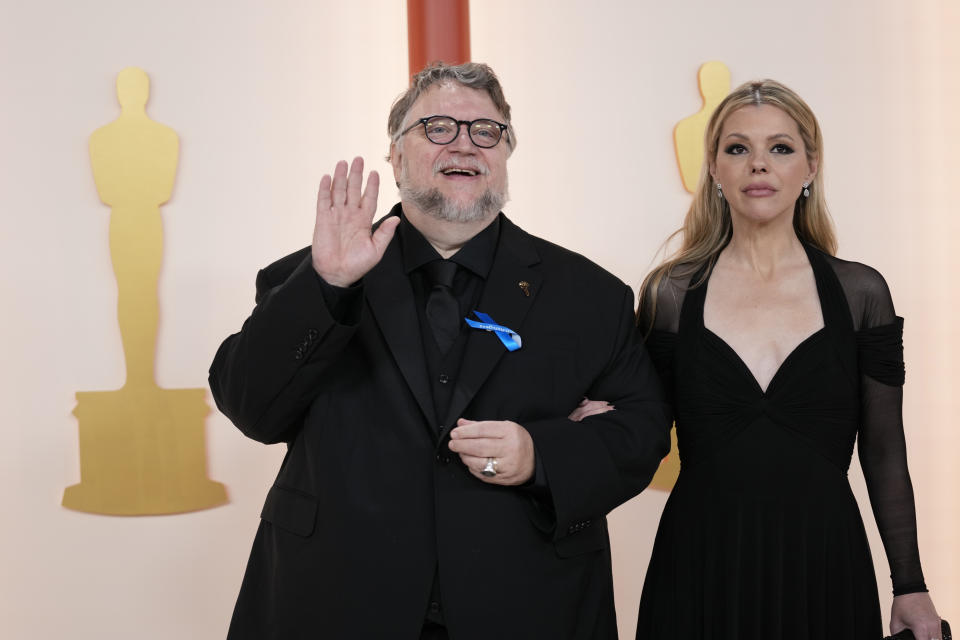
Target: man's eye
(439, 129)
(736, 149)
(483, 132)
(781, 148)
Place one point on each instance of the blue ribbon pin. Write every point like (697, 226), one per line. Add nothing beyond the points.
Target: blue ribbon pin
(510, 338)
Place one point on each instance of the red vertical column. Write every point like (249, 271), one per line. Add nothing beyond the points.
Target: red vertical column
(438, 30)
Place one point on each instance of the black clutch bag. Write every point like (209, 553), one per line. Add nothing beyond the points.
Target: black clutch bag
(906, 634)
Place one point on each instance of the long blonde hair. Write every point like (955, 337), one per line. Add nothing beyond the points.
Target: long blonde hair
(707, 227)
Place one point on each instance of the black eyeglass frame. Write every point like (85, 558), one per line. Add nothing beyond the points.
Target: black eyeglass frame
(423, 121)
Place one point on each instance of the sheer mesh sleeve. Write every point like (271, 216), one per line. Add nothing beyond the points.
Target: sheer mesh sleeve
(659, 324)
(881, 444)
(664, 314)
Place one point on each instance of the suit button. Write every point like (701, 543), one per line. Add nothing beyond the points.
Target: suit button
(435, 607)
(444, 379)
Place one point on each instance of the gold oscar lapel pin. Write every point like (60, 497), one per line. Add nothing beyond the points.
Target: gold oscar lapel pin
(525, 287)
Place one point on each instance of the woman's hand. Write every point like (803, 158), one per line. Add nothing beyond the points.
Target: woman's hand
(588, 407)
(916, 612)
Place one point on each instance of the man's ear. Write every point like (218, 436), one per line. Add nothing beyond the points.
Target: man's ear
(395, 160)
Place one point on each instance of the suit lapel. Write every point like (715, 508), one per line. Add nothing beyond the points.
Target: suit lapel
(391, 298)
(505, 299)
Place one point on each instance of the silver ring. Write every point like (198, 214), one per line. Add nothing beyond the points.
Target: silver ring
(490, 469)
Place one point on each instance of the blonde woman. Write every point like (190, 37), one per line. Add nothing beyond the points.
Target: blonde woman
(777, 357)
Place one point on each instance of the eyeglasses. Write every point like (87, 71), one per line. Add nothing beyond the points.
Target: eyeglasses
(443, 130)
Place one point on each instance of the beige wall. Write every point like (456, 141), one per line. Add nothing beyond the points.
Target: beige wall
(267, 99)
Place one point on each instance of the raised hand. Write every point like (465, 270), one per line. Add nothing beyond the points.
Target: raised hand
(344, 249)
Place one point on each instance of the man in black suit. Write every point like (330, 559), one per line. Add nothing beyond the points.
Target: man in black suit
(433, 485)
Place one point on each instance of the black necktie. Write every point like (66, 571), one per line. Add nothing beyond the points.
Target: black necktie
(443, 310)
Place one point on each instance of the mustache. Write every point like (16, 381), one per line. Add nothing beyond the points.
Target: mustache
(466, 163)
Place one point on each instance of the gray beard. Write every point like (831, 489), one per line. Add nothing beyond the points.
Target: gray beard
(436, 205)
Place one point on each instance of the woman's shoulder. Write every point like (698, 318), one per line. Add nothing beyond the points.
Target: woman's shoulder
(661, 299)
(675, 283)
(866, 290)
(859, 278)
(854, 271)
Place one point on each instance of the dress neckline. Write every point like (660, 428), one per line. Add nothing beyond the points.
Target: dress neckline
(812, 338)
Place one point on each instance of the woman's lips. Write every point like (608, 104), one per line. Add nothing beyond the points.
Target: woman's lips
(759, 190)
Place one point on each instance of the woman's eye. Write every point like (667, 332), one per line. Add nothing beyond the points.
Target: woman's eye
(736, 149)
(781, 148)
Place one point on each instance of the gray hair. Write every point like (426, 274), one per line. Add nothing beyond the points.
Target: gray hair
(473, 75)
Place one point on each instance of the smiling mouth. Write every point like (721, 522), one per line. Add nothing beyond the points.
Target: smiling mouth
(454, 171)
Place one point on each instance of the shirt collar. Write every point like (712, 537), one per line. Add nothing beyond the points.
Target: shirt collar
(476, 255)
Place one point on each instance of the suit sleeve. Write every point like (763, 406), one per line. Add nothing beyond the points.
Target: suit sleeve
(265, 377)
(595, 465)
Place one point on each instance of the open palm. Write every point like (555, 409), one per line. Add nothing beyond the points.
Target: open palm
(344, 249)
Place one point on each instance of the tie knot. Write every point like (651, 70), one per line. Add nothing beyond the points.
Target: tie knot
(441, 272)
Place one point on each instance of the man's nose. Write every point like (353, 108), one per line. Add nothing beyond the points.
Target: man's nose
(462, 142)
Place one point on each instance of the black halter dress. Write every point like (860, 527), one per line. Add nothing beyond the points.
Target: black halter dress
(761, 536)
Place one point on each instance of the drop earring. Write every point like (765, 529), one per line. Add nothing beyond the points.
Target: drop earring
(719, 191)
(806, 191)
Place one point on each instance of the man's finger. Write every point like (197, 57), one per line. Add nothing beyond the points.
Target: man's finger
(478, 447)
(338, 193)
(323, 194)
(369, 201)
(384, 233)
(476, 466)
(480, 429)
(354, 182)
(475, 463)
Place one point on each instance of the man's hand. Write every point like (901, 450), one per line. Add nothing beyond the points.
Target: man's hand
(343, 248)
(506, 442)
(916, 612)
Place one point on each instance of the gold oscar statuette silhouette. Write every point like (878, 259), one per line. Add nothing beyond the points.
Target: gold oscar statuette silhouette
(714, 80)
(142, 448)
(669, 469)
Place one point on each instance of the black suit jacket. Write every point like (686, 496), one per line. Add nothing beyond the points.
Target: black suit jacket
(369, 501)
